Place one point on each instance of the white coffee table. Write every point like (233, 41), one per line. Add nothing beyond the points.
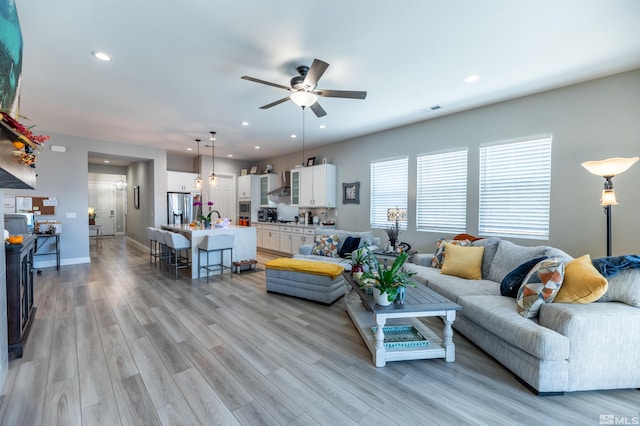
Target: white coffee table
(420, 301)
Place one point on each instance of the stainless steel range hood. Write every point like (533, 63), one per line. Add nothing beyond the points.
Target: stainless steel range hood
(284, 190)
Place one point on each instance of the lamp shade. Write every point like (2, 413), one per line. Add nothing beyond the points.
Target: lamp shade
(303, 98)
(608, 198)
(609, 167)
(396, 214)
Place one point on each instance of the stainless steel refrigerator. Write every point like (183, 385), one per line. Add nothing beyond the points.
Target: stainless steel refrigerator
(180, 208)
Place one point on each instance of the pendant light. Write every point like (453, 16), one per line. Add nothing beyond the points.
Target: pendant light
(212, 178)
(303, 107)
(198, 178)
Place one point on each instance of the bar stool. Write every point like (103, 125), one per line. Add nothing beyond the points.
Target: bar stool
(179, 248)
(164, 253)
(153, 245)
(216, 243)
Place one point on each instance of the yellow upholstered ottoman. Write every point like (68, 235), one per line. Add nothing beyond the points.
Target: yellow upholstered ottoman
(307, 279)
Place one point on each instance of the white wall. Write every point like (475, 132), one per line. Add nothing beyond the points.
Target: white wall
(589, 121)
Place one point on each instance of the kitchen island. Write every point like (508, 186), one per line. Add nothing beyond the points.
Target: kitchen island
(244, 246)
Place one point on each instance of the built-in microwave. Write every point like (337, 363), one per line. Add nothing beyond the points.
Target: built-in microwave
(244, 213)
(244, 208)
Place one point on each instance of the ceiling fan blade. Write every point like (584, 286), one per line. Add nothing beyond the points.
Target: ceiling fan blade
(317, 110)
(278, 102)
(351, 94)
(318, 68)
(255, 80)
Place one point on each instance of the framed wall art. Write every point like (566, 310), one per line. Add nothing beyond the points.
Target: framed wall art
(351, 193)
(243, 172)
(254, 170)
(136, 197)
(311, 161)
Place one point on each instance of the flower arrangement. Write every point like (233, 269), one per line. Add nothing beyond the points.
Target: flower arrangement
(206, 218)
(27, 144)
(388, 281)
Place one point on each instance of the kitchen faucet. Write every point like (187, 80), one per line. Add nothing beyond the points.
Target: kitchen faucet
(218, 213)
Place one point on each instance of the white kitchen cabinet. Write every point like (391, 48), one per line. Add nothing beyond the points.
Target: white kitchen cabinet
(295, 187)
(271, 237)
(248, 186)
(268, 183)
(301, 235)
(181, 181)
(285, 239)
(318, 186)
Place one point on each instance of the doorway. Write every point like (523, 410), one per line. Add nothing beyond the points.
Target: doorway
(109, 203)
(223, 196)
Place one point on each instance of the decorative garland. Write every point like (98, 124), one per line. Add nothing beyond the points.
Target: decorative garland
(27, 144)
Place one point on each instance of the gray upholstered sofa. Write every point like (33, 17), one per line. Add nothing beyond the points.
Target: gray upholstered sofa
(366, 238)
(568, 347)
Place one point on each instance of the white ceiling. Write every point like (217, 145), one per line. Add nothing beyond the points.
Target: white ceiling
(177, 65)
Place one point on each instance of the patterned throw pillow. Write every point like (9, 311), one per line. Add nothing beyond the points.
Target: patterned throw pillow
(438, 258)
(540, 286)
(325, 245)
(511, 283)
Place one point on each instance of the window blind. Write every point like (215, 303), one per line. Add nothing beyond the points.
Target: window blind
(515, 187)
(441, 192)
(389, 189)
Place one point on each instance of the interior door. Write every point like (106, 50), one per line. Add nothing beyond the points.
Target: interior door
(223, 196)
(102, 197)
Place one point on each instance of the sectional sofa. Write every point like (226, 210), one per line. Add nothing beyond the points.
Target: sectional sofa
(567, 346)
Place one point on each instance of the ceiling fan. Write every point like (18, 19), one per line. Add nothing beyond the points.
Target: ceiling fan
(303, 88)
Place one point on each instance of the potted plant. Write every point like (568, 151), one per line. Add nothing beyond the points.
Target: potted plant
(360, 258)
(388, 283)
(393, 232)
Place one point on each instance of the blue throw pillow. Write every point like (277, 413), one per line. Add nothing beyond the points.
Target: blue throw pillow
(349, 245)
(513, 280)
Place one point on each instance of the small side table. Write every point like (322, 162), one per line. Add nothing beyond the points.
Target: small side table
(98, 234)
(385, 256)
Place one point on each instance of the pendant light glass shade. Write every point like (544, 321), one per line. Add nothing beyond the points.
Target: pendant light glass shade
(212, 177)
(198, 180)
(609, 167)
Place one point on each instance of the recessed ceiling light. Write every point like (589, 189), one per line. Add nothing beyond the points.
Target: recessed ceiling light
(229, 155)
(472, 79)
(106, 161)
(189, 149)
(244, 123)
(257, 147)
(322, 126)
(102, 56)
(293, 136)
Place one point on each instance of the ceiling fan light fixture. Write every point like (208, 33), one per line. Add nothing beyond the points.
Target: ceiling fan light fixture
(303, 98)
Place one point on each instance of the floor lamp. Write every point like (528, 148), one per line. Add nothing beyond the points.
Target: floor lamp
(608, 169)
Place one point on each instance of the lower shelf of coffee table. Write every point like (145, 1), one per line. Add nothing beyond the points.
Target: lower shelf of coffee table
(364, 321)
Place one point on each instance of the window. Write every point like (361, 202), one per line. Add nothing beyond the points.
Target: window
(515, 187)
(389, 181)
(441, 198)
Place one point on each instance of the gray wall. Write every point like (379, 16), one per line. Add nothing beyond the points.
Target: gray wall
(588, 121)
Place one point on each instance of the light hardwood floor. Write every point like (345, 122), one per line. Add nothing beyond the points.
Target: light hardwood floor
(118, 341)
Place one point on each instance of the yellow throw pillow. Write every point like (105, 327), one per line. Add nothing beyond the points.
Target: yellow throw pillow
(463, 262)
(582, 282)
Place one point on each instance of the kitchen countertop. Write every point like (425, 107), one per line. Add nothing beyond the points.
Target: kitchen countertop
(302, 225)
